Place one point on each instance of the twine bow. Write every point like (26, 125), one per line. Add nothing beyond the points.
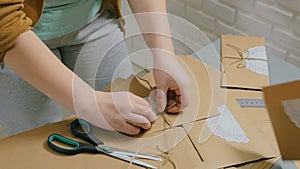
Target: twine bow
(242, 57)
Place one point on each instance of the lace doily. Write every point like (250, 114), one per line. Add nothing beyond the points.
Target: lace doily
(292, 109)
(258, 66)
(226, 126)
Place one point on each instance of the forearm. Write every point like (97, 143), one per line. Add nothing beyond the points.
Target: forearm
(152, 18)
(35, 63)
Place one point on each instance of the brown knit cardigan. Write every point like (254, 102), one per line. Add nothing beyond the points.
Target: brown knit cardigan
(18, 16)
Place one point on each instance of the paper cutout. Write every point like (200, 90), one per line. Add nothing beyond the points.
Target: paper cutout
(292, 109)
(226, 126)
(257, 66)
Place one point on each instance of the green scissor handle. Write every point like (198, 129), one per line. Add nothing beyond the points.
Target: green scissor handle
(86, 133)
(77, 147)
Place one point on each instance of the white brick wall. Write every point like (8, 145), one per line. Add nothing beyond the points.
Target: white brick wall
(252, 25)
(240, 5)
(200, 19)
(272, 14)
(219, 10)
(296, 24)
(277, 20)
(290, 4)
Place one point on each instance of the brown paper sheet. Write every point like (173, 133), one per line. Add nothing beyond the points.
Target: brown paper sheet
(260, 164)
(30, 150)
(221, 153)
(204, 93)
(287, 133)
(255, 122)
(233, 75)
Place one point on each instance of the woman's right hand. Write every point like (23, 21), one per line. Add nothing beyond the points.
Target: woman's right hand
(121, 111)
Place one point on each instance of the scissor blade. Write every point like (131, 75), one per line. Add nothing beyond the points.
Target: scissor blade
(132, 160)
(138, 155)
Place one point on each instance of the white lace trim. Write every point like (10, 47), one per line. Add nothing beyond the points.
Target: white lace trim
(292, 109)
(258, 66)
(226, 126)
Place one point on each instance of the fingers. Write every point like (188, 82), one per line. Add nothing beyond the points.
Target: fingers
(141, 101)
(143, 108)
(184, 98)
(160, 98)
(145, 126)
(177, 100)
(137, 120)
(124, 112)
(173, 106)
(132, 125)
(146, 112)
(129, 129)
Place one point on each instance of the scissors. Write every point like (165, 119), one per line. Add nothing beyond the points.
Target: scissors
(95, 146)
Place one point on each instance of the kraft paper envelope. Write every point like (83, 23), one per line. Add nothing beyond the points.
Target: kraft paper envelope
(204, 93)
(223, 142)
(260, 164)
(251, 72)
(282, 102)
(30, 150)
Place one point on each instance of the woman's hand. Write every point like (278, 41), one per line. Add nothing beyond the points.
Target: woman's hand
(153, 21)
(121, 111)
(170, 76)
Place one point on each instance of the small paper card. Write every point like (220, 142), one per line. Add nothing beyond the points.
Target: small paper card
(283, 106)
(244, 62)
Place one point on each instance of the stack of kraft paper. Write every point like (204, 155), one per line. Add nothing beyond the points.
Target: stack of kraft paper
(214, 131)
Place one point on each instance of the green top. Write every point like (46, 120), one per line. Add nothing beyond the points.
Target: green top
(61, 17)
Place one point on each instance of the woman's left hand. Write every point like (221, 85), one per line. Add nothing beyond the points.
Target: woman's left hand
(173, 84)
